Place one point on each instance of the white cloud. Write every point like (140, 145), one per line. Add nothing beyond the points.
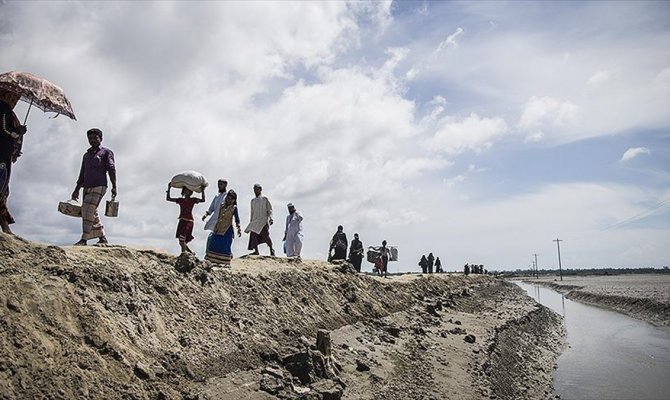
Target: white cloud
(472, 133)
(602, 76)
(313, 101)
(634, 152)
(545, 113)
(450, 41)
(513, 228)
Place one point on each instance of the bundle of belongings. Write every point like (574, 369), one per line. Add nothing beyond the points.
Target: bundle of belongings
(189, 179)
(374, 253)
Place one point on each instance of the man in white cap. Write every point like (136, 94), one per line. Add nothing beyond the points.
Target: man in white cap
(293, 232)
(216, 206)
(261, 219)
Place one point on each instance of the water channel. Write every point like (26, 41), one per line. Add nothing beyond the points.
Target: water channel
(609, 355)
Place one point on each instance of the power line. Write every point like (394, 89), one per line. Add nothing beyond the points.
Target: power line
(658, 207)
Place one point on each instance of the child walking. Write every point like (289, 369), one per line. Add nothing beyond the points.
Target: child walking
(185, 225)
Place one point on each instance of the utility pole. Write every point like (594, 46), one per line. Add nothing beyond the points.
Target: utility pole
(536, 266)
(558, 245)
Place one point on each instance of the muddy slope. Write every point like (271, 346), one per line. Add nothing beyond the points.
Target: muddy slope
(108, 323)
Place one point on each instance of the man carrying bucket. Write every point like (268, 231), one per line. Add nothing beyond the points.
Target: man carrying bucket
(97, 162)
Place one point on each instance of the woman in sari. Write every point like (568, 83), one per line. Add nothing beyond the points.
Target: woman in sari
(220, 241)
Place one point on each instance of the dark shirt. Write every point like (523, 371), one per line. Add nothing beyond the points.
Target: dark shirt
(339, 241)
(356, 248)
(9, 136)
(186, 208)
(94, 167)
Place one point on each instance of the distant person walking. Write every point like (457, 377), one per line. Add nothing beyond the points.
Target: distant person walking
(385, 255)
(260, 221)
(339, 244)
(423, 263)
(96, 164)
(220, 242)
(356, 253)
(466, 269)
(438, 265)
(431, 260)
(185, 225)
(293, 232)
(11, 141)
(216, 204)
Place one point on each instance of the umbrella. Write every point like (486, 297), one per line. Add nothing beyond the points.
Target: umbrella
(37, 91)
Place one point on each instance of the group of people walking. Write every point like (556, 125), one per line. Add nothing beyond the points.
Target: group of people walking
(224, 221)
(338, 251)
(474, 269)
(222, 216)
(98, 170)
(427, 263)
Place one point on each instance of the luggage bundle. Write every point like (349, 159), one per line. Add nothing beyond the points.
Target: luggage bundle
(71, 208)
(374, 252)
(189, 179)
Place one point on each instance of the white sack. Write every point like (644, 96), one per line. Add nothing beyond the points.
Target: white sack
(189, 179)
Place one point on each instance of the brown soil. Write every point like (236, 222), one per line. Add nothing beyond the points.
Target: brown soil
(120, 323)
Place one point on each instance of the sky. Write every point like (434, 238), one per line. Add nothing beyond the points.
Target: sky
(478, 131)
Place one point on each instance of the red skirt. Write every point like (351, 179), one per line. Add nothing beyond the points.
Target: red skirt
(184, 230)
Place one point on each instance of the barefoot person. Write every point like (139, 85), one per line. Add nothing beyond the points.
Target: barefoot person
(261, 219)
(185, 226)
(11, 138)
(220, 241)
(97, 163)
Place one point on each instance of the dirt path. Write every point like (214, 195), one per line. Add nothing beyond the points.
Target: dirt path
(108, 323)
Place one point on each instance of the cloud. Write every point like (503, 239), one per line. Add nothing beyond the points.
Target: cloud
(634, 152)
(456, 135)
(545, 113)
(348, 112)
(450, 41)
(602, 76)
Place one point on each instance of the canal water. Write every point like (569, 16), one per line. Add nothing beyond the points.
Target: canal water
(608, 355)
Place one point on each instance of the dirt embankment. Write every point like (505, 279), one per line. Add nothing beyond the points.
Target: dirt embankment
(108, 323)
(642, 296)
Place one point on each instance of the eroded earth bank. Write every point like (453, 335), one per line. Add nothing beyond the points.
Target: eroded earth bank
(642, 296)
(112, 323)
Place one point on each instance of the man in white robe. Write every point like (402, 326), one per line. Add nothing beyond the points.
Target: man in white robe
(293, 232)
(261, 219)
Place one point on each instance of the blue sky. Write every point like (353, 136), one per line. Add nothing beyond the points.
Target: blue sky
(479, 131)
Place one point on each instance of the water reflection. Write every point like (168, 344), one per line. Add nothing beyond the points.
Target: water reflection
(609, 355)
